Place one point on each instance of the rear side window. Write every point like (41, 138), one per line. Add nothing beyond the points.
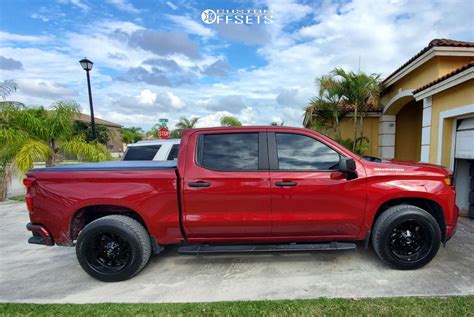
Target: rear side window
(300, 152)
(141, 153)
(229, 151)
(174, 152)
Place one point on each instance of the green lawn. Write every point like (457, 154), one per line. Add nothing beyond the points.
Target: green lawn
(408, 306)
(17, 198)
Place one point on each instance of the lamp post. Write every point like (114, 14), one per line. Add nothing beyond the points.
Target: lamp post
(87, 66)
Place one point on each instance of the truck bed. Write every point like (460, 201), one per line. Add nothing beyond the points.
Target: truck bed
(148, 189)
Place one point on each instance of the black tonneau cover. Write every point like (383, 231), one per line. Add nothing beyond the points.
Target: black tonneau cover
(111, 166)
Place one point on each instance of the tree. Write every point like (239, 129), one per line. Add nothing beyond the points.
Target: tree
(183, 124)
(84, 130)
(324, 112)
(6, 167)
(229, 121)
(341, 92)
(35, 134)
(131, 135)
(362, 91)
(153, 132)
(7, 87)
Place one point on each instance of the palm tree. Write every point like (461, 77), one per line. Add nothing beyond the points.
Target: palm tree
(360, 90)
(229, 121)
(131, 135)
(7, 87)
(35, 134)
(324, 112)
(183, 124)
(6, 167)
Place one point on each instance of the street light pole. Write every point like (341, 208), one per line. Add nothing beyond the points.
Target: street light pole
(87, 66)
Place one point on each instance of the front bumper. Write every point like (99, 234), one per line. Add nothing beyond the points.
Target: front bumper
(40, 235)
(451, 229)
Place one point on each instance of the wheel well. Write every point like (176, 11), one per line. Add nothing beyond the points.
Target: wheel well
(430, 206)
(86, 215)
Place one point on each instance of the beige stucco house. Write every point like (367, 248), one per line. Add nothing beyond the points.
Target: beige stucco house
(427, 113)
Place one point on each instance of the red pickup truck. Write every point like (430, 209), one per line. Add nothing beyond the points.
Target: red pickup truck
(242, 189)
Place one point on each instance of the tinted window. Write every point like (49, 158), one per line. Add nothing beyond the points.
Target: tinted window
(141, 153)
(299, 152)
(230, 151)
(174, 152)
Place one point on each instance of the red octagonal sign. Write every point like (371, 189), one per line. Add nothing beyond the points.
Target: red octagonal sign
(164, 133)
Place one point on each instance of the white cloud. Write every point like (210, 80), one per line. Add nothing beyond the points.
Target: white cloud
(190, 26)
(40, 17)
(124, 5)
(147, 96)
(169, 100)
(212, 120)
(80, 5)
(44, 88)
(12, 37)
(171, 5)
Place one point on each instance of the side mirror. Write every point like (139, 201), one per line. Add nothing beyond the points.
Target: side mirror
(347, 165)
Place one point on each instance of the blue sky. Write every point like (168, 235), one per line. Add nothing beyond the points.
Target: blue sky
(157, 59)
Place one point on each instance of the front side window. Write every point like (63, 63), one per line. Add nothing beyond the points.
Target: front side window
(300, 152)
(141, 153)
(229, 151)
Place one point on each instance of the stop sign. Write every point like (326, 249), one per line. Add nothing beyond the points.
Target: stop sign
(164, 133)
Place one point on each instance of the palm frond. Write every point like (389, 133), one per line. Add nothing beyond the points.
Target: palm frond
(32, 151)
(7, 87)
(60, 118)
(90, 152)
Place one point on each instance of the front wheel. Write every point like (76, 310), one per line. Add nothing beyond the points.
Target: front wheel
(406, 237)
(113, 248)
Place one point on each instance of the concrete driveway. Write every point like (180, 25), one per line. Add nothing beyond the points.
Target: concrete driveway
(38, 274)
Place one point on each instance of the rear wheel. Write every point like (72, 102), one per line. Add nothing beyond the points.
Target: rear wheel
(406, 237)
(113, 248)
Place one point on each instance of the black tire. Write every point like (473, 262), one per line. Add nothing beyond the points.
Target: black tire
(406, 237)
(471, 211)
(471, 197)
(113, 248)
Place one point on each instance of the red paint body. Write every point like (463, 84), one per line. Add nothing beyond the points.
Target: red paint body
(243, 206)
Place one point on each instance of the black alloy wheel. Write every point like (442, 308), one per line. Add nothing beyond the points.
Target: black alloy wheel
(406, 237)
(113, 248)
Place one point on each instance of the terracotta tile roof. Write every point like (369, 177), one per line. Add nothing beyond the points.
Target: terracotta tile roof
(442, 78)
(433, 43)
(86, 118)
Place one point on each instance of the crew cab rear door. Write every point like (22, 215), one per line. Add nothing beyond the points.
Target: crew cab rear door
(309, 196)
(226, 185)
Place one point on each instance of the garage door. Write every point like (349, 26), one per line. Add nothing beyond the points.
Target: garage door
(465, 140)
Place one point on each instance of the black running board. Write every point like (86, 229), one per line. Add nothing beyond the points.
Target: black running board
(196, 249)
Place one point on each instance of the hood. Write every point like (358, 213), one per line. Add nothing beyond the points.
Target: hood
(399, 167)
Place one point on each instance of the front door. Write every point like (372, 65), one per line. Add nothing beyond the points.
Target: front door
(226, 190)
(309, 196)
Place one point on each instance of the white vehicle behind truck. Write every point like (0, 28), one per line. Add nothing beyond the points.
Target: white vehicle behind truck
(153, 150)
